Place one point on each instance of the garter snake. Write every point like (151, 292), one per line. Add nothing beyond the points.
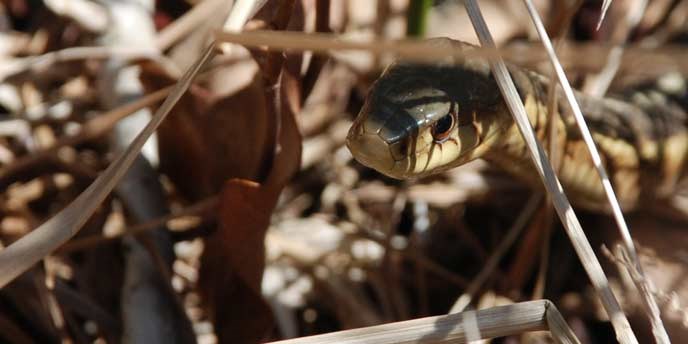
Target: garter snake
(423, 119)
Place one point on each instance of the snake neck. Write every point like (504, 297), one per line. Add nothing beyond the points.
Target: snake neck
(643, 146)
(508, 150)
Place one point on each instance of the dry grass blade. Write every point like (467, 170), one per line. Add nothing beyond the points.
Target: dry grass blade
(458, 327)
(652, 309)
(168, 36)
(31, 248)
(187, 22)
(45, 61)
(242, 11)
(647, 292)
(603, 13)
(597, 85)
(563, 207)
(558, 327)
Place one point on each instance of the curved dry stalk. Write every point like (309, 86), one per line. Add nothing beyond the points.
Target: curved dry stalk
(463, 327)
(31, 248)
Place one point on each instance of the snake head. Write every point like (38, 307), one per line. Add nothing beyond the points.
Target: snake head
(423, 119)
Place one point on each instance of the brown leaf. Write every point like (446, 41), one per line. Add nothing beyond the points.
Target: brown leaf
(249, 142)
(232, 264)
(208, 139)
(233, 259)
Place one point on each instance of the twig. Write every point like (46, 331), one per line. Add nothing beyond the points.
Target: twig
(413, 255)
(541, 279)
(581, 55)
(322, 25)
(552, 94)
(553, 152)
(321, 42)
(95, 240)
(526, 214)
(84, 306)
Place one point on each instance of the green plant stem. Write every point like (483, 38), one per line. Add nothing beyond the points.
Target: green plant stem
(416, 18)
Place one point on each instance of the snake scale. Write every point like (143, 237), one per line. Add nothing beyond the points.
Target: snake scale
(423, 119)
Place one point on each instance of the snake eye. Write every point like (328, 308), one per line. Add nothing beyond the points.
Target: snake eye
(443, 126)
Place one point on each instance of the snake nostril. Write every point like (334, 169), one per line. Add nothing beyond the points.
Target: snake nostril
(399, 149)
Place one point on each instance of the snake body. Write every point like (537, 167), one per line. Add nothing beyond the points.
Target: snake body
(423, 119)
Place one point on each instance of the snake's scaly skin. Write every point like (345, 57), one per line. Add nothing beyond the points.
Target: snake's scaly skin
(403, 130)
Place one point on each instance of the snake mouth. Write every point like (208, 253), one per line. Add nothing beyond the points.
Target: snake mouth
(373, 150)
(378, 142)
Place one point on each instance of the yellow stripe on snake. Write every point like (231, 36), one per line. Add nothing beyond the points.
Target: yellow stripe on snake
(423, 119)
